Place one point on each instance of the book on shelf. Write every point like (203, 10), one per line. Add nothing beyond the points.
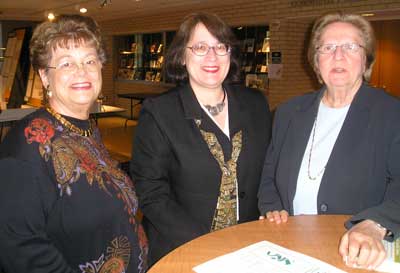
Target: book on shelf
(130, 63)
(257, 81)
(265, 47)
(153, 48)
(249, 45)
(122, 62)
(125, 74)
(149, 76)
(133, 47)
(264, 69)
(159, 50)
(157, 77)
(138, 75)
(160, 60)
(247, 68)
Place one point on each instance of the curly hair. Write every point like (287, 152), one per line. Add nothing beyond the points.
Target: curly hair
(65, 32)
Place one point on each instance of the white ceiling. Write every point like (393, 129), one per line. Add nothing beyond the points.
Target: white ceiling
(37, 10)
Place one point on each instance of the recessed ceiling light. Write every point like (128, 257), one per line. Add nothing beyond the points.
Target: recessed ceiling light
(51, 16)
(368, 14)
(83, 10)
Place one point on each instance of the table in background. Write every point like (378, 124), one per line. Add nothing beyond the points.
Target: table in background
(105, 110)
(9, 116)
(140, 97)
(317, 236)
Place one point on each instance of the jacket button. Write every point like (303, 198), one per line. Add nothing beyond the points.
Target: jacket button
(242, 194)
(324, 207)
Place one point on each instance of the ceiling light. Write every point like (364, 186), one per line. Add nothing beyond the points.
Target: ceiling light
(51, 16)
(368, 14)
(83, 10)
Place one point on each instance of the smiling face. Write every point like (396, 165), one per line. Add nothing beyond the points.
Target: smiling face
(73, 92)
(343, 70)
(209, 71)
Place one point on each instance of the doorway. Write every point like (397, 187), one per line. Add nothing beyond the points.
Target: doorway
(386, 70)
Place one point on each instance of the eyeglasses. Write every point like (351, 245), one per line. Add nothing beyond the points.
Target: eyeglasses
(202, 49)
(346, 48)
(91, 65)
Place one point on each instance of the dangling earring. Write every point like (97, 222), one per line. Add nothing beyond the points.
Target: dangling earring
(48, 91)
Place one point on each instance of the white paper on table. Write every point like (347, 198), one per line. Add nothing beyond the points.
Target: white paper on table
(265, 257)
(392, 262)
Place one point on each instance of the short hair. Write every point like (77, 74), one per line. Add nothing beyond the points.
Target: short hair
(64, 32)
(218, 28)
(366, 34)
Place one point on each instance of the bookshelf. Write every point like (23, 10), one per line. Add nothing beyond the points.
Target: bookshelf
(141, 56)
(254, 45)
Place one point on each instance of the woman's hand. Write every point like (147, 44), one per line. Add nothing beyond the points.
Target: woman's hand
(276, 216)
(361, 246)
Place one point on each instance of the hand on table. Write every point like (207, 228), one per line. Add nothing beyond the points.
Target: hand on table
(361, 246)
(276, 216)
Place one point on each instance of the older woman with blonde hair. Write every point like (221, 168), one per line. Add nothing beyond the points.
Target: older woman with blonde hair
(336, 151)
(65, 206)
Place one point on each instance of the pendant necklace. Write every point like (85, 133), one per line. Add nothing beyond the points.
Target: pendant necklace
(215, 110)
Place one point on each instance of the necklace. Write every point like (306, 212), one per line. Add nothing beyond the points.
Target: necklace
(310, 155)
(67, 124)
(215, 110)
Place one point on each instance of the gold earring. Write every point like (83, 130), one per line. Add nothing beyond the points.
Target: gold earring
(48, 91)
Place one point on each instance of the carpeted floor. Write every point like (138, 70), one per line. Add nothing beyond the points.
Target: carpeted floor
(116, 137)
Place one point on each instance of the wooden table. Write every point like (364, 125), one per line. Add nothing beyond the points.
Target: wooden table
(316, 236)
(139, 97)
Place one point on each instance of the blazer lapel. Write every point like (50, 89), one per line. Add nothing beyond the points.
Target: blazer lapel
(238, 116)
(190, 105)
(300, 128)
(353, 129)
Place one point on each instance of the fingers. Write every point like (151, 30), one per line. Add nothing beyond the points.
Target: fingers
(284, 216)
(344, 246)
(360, 247)
(379, 258)
(277, 216)
(353, 251)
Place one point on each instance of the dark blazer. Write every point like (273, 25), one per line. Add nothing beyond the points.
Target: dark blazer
(362, 176)
(177, 178)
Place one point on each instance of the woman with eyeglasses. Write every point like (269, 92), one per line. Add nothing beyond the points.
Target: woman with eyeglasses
(337, 150)
(199, 148)
(65, 206)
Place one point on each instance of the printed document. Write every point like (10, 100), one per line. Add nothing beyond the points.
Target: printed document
(265, 257)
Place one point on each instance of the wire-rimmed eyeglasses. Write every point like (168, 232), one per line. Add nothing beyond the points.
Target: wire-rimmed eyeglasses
(202, 49)
(91, 65)
(346, 48)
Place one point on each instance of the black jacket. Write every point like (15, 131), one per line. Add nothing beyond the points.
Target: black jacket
(177, 178)
(362, 176)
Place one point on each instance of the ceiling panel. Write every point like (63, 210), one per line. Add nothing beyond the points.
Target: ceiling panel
(37, 10)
